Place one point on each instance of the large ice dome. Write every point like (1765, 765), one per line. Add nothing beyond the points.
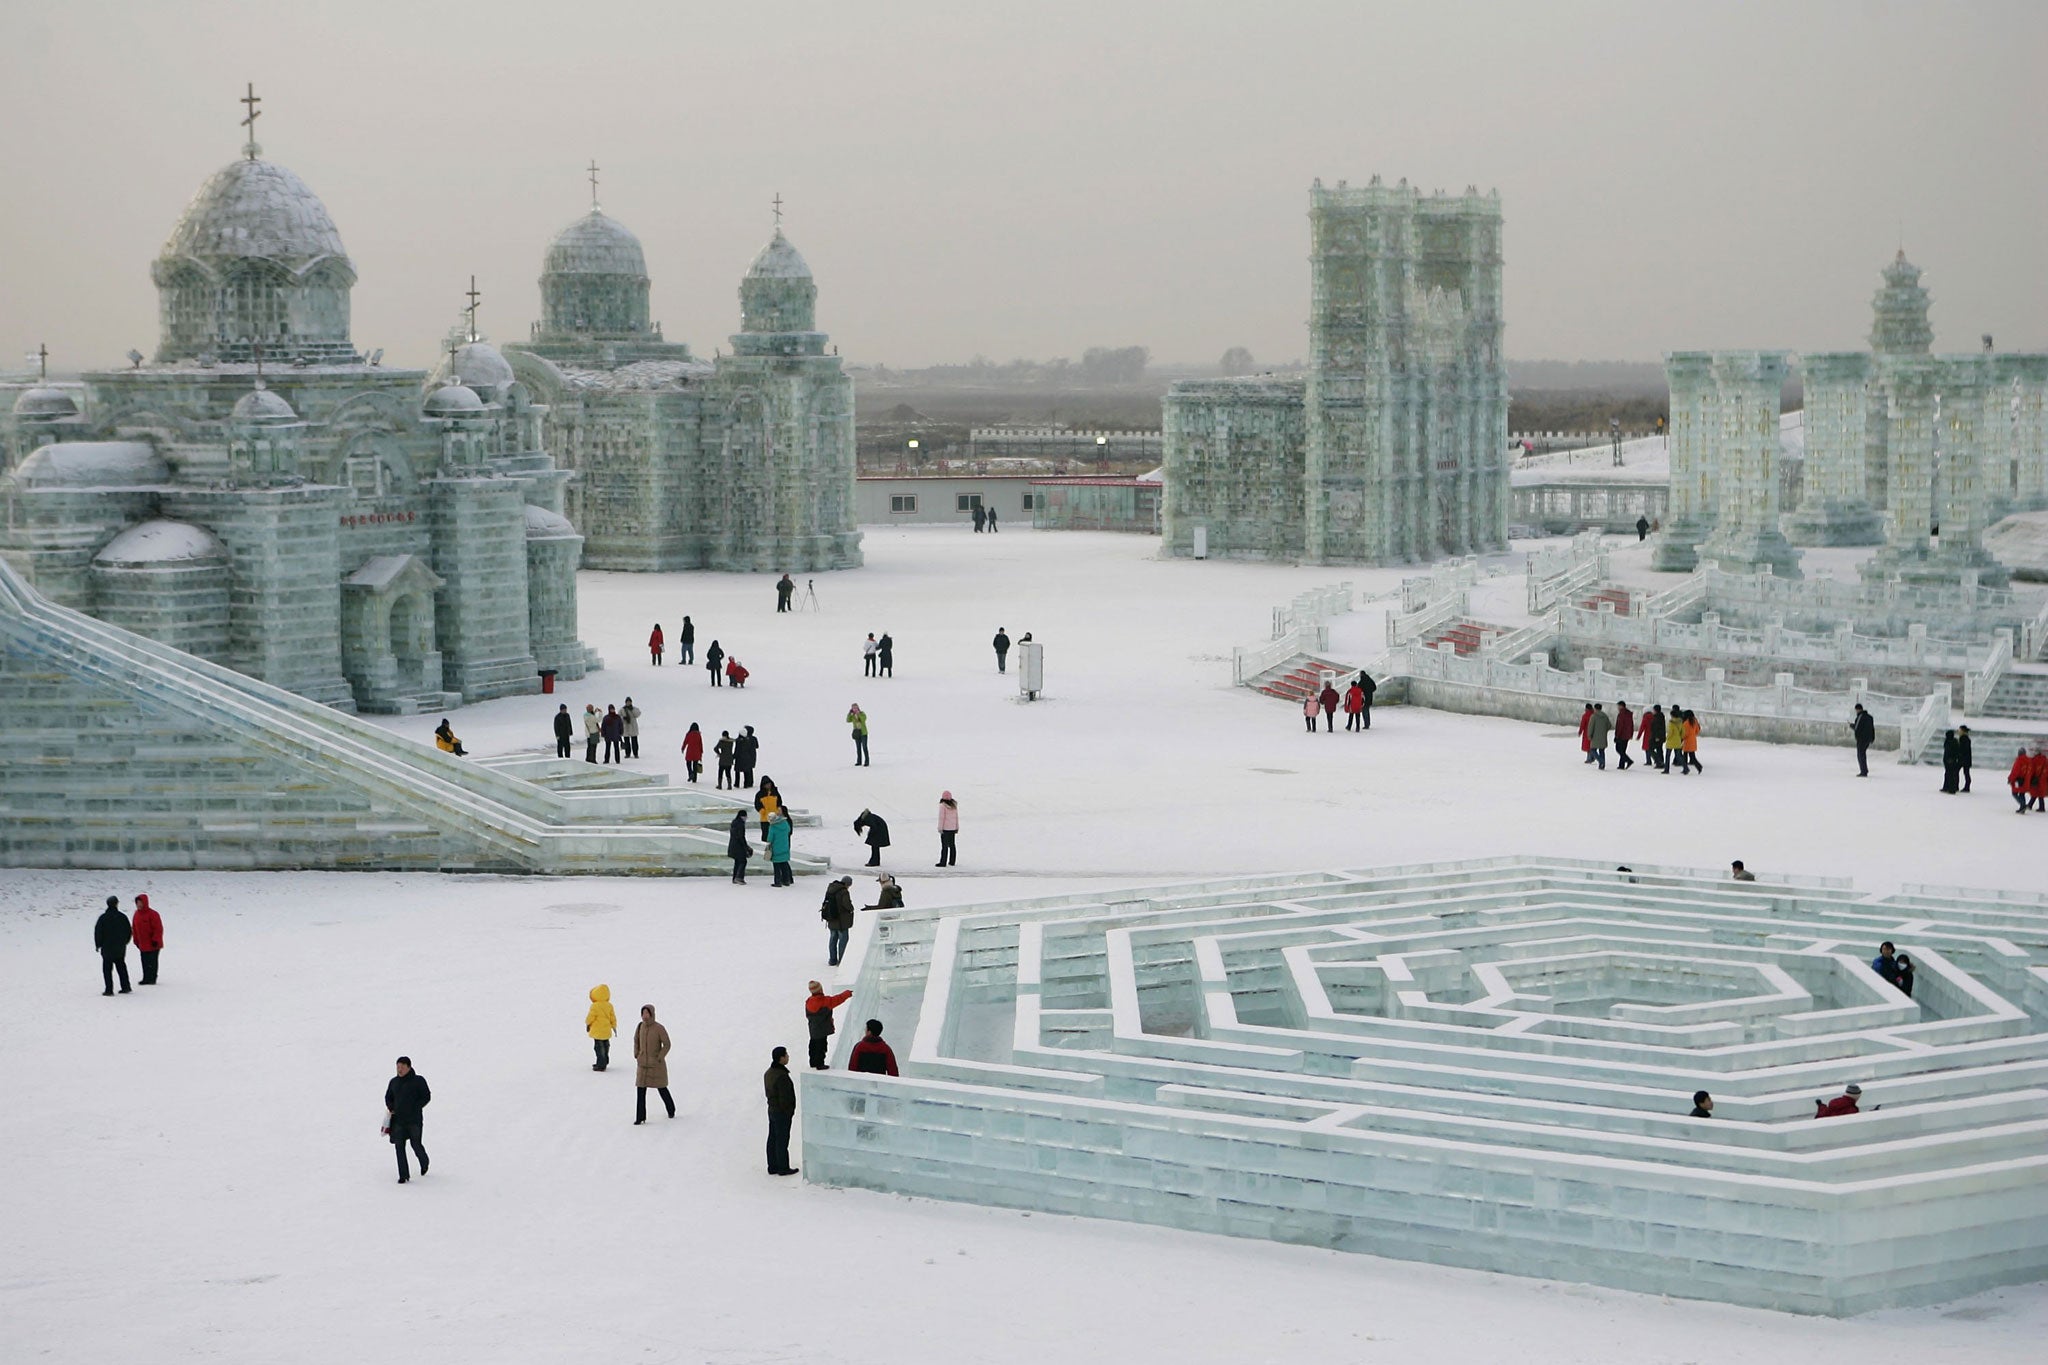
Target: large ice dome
(255, 209)
(595, 245)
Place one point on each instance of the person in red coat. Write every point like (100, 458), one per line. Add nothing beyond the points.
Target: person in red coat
(1354, 706)
(1844, 1103)
(735, 672)
(149, 938)
(818, 1008)
(1586, 732)
(693, 751)
(1624, 731)
(1329, 699)
(654, 644)
(871, 1053)
(2037, 784)
(2021, 778)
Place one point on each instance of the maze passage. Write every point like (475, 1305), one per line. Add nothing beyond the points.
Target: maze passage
(1490, 1064)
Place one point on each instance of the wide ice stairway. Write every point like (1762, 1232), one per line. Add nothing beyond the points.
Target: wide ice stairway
(2022, 694)
(123, 752)
(1295, 679)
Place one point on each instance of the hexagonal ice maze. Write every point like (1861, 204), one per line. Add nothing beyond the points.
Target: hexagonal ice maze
(1484, 1064)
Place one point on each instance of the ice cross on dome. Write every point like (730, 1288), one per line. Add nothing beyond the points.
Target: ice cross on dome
(473, 298)
(250, 101)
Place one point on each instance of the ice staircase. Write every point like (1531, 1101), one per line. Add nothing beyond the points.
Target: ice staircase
(1464, 637)
(1616, 597)
(1991, 752)
(2022, 694)
(1299, 676)
(124, 752)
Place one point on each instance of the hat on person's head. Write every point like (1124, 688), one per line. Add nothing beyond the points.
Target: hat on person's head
(405, 1061)
(945, 796)
(113, 902)
(1853, 1089)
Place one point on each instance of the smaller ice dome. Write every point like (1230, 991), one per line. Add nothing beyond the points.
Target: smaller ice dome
(93, 464)
(161, 542)
(453, 400)
(45, 402)
(779, 261)
(261, 407)
(541, 524)
(480, 365)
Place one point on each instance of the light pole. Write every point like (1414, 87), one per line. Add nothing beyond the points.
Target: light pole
(1101, 450)
(912, 449)
(1614, 434)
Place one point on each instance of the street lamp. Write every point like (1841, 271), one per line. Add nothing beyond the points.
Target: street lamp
(913, 450)
(1101, 450)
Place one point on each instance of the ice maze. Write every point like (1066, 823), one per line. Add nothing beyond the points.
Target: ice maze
(1487, 1064)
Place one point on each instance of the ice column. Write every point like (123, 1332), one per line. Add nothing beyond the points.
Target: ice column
(1835, 509)
(1744, 457)
(1693, 507)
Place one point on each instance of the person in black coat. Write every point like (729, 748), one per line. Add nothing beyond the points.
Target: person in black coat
(885, 656)
(714, 661)
(1864, 728)
(1905, 981)
(837, 912)
(781, 1111)
(1963, 754)
(686, 643)
(405, 1099)
(110, 935)
(1951, 761)
(1002, 643)
(785, 588)
(1367, 686)
(876, 830)
(746, 750)
(1642, 529)
(738, 848)
(565, 730)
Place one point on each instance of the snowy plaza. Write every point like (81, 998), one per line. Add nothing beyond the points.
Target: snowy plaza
(215, 1152)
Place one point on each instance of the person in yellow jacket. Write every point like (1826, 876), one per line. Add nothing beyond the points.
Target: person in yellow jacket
(601, 1023)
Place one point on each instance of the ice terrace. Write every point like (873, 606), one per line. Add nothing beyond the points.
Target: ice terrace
(1485, 1064)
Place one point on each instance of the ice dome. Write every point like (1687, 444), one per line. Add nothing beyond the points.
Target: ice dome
(93, 464)
(541, 524)
(779, 261)
(261, 406)
(255, 209)
(45, 402)
(480, 365)
(595, 245)
(160, 542)
(453, 400)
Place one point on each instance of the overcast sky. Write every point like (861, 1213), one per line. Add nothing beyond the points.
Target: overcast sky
(1030, 179)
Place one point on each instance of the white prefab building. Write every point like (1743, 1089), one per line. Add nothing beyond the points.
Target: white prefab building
(943, 499)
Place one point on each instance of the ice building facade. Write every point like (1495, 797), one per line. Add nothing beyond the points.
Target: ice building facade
(262, 495)
(744, 462)
(1393, 447)
(1915, 452)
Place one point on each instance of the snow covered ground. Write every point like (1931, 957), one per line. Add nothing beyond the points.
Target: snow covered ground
(195, 1173)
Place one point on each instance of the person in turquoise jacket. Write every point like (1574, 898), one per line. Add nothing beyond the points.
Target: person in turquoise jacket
(778, 848)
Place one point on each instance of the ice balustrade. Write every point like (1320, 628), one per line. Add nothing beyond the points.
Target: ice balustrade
(1917, 718)
(1300, 627)
(1486, 1064)
(1708, 635)
(1554, 576)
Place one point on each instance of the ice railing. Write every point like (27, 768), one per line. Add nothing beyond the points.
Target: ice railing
(1559, 573)
(1958, 608)
(1432, 601)
(1917, 717)
(1302, 626)
(1708, 636)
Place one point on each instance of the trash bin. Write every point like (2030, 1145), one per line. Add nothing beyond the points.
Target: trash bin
(547, 682)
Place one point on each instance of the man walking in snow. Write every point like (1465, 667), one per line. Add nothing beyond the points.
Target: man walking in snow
(1863, 727)
(1367, 686)
(406, 1096)
(1328, 699)
(746, 750)
(110, 935)
(1624, 731)
(837, 912)
(565, 730)
(1597, 731)
(1002, 644)
(781, 1111)
(1963, 755)
(1653, 739)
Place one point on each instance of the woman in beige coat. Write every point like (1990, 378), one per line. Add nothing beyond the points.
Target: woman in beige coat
(650, 1058)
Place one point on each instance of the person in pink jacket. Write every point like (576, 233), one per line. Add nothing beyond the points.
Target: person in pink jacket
(949, 829)
(1310, 708)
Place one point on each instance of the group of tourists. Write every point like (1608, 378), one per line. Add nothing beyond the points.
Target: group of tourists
(1356, 699)
(113, 931)
(2029, 778)
(686, 643)
(984, 517)
(617, 728)
(1660, 735)
(878, 657)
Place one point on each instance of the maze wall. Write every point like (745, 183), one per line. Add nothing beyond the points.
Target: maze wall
(1485, 1064)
